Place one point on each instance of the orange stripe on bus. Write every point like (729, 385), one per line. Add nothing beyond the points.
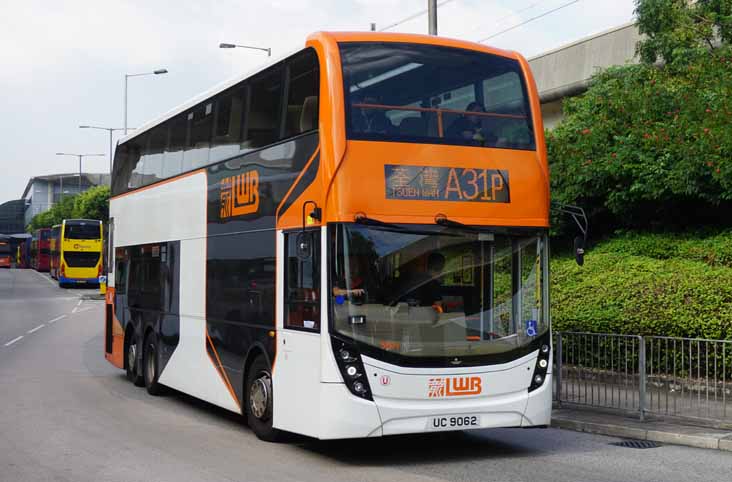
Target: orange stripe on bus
(221, 371)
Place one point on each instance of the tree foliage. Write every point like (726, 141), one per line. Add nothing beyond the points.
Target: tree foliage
(678, 30)
(91, 204)
(649, 143)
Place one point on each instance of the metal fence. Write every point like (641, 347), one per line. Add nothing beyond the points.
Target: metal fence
(664, 376)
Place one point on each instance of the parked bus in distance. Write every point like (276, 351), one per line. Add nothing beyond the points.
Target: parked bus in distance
(350, 241)
(41, 249)
(76, 252)
(25, 253)
(6, 254)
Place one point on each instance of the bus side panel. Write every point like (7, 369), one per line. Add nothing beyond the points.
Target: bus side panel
(245, 196)
(176, 211)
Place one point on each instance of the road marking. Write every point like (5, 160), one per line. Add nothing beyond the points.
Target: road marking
(79, 303)
(89, 308)
(56, 319)
(14, 340)
(36, 328)
(46, 278)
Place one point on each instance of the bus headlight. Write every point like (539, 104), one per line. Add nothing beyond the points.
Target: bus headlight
(542, 365)
(351, 367)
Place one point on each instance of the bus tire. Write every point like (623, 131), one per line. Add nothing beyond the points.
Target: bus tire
(258, 401)
(131, 357)
(151, 366)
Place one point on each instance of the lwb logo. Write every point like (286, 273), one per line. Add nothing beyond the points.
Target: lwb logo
(453, 386)
(239, 194)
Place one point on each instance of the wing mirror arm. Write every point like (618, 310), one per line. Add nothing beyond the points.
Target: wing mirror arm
(304, 240)
(580, 219)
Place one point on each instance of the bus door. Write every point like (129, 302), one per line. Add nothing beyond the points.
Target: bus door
(296, 374)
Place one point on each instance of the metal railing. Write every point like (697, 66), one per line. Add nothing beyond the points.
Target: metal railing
(664, 376)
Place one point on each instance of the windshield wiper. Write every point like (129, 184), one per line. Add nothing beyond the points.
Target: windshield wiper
(361, 218)
(442, 220)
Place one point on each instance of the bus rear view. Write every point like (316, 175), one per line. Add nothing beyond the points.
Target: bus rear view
(80, 254)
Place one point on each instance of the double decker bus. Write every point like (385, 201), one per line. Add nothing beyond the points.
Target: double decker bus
(41, 249)
(76, 252)
(348, 242)
(6, 253)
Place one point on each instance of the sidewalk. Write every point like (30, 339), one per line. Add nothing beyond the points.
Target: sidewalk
(619, 425)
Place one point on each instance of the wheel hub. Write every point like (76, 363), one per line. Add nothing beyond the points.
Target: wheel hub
(150, 365)
(259, 396)
(131, 356)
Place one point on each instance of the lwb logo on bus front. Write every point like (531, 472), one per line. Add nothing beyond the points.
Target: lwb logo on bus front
(454, 386)
(239, 194)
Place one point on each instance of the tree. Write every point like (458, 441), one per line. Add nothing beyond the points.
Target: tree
(652, 143)
(91, 204)
(678, 30)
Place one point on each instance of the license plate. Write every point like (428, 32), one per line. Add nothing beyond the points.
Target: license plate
(453, 422)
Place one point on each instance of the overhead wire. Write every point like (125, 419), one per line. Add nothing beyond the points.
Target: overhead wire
(413, 16)
(513, 14)
(513, 27)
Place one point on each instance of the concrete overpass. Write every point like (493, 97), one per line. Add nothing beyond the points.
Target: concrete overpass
(566, 71)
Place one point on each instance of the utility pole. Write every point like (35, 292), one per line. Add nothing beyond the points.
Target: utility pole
(432, 16)
(373, 27)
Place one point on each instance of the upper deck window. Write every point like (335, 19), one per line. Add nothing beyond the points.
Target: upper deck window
(432, 94)
(83, 230)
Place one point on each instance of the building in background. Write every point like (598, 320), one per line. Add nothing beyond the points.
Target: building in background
(567, 70)
(42, 192)
(12, 217)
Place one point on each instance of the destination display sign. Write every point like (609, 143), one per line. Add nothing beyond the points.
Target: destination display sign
(429, 183)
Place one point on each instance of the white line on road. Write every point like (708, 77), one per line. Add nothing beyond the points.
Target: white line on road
(36, 328)
(14, 340)
(56, 319)
(46, 278)
(82, 310)
(79, 303)
(74, 310)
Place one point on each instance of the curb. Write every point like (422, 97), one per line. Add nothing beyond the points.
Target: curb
(704, 441)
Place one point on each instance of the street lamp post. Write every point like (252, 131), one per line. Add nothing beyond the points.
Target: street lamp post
(79, 156)
(233, 46)
(127, 76)
(111, 130)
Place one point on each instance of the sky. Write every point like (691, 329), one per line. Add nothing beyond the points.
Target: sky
(62, 62)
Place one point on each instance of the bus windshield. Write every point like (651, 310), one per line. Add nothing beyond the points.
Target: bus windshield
(433, 94)
(89, 230)
(428, 291)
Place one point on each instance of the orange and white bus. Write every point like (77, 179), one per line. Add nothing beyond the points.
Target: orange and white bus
(350, 241)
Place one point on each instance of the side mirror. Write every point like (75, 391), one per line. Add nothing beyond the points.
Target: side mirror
(304, 242)
(579, 250)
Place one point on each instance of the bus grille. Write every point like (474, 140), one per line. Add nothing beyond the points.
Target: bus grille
(81, 260)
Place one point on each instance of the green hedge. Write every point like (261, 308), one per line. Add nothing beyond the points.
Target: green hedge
(647, 284)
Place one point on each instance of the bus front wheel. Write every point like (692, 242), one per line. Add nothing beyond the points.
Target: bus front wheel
(258, 401)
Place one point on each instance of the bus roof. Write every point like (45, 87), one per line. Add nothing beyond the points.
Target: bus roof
(337, 37)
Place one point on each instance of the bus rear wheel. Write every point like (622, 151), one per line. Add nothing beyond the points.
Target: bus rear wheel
(258, 401)
(131, 363)
(150, 369)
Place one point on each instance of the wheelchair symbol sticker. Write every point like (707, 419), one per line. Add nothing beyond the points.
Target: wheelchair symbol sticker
(531, 328)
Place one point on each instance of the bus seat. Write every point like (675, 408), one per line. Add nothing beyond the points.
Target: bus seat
(309, 114)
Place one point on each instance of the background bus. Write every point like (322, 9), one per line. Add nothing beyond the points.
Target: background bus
(41, 249)
(6, 255)
(76, 252)
(348, 242)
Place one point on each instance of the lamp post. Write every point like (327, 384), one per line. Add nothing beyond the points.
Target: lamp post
(111, 130)
(233, 46)
(79, 156)
(127, 76)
